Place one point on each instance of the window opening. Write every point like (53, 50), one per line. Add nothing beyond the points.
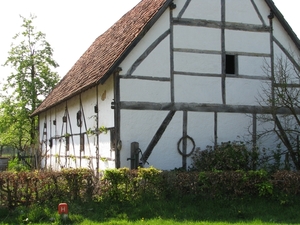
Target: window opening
(230, 64)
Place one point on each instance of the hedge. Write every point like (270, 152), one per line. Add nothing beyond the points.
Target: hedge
(27, 188)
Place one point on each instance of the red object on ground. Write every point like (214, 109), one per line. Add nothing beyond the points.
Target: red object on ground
(63, 208)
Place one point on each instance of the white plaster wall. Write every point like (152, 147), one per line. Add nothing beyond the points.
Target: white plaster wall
(233, 127)
(281, 35)
(197, 63)
(106, 97)
(144, 90)
(140, 126)
(197, 89)
(252, 42)
(253, 66)
(268, 141)
(202, 9)
(74, 158)
(165, 154)
(241, 12)
(160, 57)
(161, 26)
(283, 62)
(244, 91)
(179, 6)
(264, 10)
(200, 127)
(200, 38)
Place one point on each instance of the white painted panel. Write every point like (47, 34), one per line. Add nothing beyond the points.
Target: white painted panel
(241, 12)
(204, 9)
(197, 89)
(144, 90)
(157, 63)
(263, 9)
(252, 66)
(105, 98)
(58, 156)
(197, 63)
(197, 38)
(282, 62)
(243, 91)
(104, 146)
(252, 42)
(179, 6)
(165, 155)
(73, 107)
(161, 26)
(282, 36)
(201, 128)
(233, 127)
(89, 100)
(140, 126)
(269, 140)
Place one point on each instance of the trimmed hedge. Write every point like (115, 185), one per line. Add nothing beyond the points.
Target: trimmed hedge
(26, 188)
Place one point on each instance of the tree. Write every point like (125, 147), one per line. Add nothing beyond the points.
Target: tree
(31, 80)
(282, 96)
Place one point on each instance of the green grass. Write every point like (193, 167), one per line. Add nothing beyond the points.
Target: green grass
(151, 212)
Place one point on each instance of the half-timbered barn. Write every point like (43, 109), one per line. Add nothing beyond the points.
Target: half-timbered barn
(168, 77)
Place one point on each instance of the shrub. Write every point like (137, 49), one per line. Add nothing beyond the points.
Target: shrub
(124, 185)
(15, 165)
(227, 156)
(224, 184)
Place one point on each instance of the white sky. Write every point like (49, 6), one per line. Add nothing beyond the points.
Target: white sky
(72, 25)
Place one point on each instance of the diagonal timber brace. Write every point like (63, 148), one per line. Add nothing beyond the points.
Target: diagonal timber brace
(157, 136)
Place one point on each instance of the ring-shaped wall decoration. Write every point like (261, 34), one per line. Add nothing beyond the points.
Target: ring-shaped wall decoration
(178, 146)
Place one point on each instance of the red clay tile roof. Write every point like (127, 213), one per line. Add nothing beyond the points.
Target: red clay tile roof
(104, 55)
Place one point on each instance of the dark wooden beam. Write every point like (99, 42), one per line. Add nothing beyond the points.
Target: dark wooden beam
(218, 24)
(157, 136)
(147, 52)
(202, 107)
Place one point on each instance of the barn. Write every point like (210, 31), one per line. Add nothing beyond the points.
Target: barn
(169, 77)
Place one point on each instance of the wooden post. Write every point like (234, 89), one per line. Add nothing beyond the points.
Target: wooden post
(134, 156)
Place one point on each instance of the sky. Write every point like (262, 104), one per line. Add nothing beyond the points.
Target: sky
(71, 26)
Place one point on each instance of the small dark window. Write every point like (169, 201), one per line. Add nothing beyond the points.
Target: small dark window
(230, 64)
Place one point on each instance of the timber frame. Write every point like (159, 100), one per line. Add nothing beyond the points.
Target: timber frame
(118, 72)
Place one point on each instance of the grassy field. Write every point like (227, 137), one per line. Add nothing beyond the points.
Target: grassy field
(153, 212)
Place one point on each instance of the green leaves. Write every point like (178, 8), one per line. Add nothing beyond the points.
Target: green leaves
(30, 82)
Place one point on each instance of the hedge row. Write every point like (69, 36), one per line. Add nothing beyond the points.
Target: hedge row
(26, 188)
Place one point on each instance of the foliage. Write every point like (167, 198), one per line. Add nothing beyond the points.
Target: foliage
(123, 184)
(227, 156)
(26, 188)
(231, 156)
(15, 165)
(31, 59)
(235, 197)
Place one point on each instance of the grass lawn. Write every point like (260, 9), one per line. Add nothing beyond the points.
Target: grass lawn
(153, 212)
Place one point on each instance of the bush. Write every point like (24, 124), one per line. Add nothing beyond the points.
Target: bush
(15, 165)
(29, 187)
(227, 156)
(123, 185)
